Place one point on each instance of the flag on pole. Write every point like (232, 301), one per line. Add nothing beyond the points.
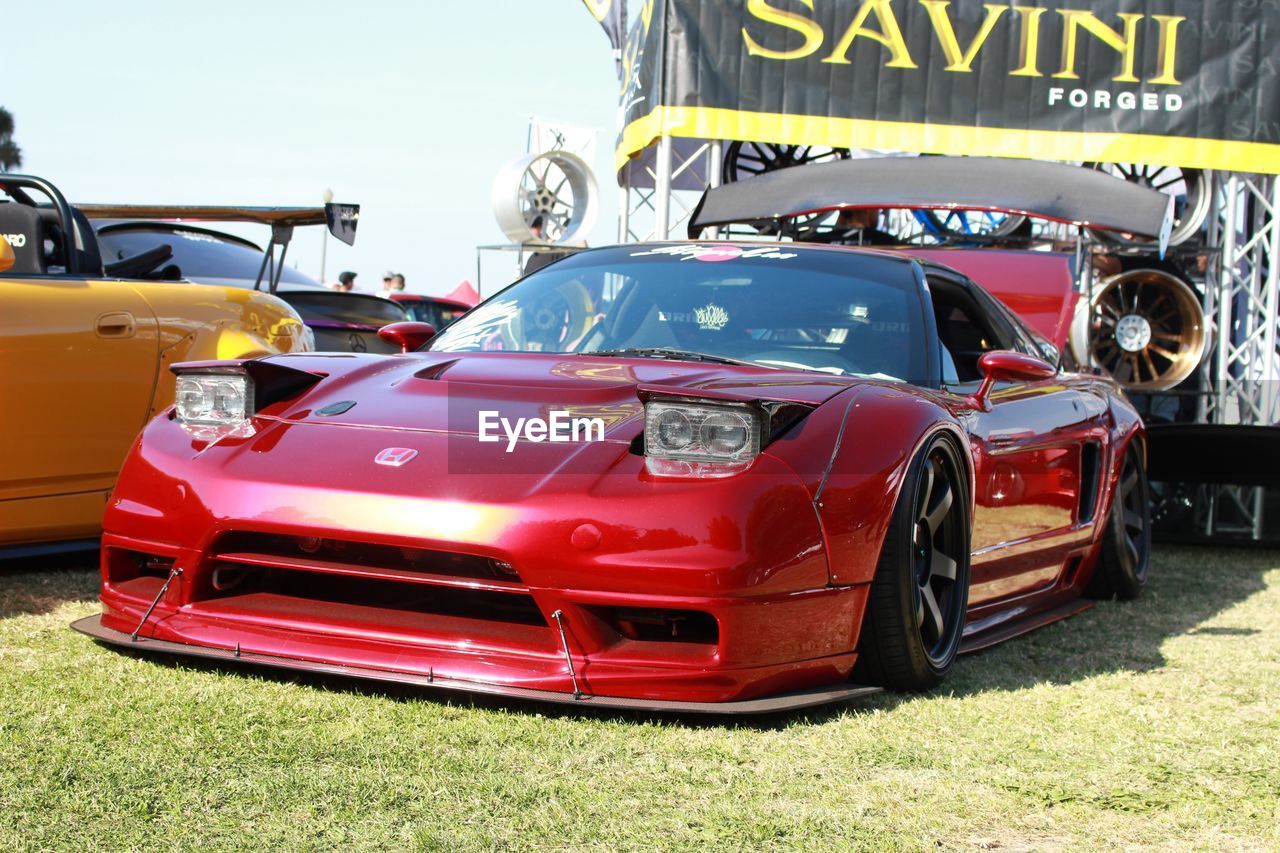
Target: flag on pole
(612, 15)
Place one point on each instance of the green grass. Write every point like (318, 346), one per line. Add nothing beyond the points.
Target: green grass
(1152, 724)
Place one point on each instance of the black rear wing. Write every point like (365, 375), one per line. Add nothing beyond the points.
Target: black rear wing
(340, 219)
(1054, 191)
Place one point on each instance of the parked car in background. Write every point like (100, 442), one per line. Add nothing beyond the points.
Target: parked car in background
(84, 358)
(344, 322)
(436, 310)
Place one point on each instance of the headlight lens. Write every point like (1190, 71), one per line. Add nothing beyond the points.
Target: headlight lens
(695, 432)
(674, 431)
(214, 399)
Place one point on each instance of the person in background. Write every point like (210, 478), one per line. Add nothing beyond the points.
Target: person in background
(392, 282)
(860, 227)
(346, 282)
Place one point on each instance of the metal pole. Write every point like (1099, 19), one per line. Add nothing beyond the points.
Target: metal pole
(324, 237)
(1226, 299)
(1269, 261)
(715, 162)
(1205, 401)
(715, 165)
(662, 190)
(624, 208)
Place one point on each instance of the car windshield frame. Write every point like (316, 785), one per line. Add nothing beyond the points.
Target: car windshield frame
(868, 311)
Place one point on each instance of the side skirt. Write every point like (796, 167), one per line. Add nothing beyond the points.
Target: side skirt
(1017, 627)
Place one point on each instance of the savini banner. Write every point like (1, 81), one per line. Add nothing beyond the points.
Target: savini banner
(1180, 82)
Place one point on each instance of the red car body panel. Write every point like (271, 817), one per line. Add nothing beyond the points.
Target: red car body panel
(780, 558)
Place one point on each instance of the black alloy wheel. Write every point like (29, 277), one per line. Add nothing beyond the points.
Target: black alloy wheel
(1125, 557)
(919, 596)
(743, 160)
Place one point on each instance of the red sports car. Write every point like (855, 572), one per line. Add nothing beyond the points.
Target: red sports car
(688, 476)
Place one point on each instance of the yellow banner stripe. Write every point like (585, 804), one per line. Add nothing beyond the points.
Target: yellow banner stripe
(784, 129)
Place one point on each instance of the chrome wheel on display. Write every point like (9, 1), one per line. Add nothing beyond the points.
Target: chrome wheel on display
(1146, 329)
(548, 198)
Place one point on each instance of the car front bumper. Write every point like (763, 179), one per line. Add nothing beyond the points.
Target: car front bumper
(735, 572)
(797, 700)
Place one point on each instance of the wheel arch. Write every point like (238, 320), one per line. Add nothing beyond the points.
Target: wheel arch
(868, 470)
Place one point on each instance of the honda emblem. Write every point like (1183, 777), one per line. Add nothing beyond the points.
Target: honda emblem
(395, 456)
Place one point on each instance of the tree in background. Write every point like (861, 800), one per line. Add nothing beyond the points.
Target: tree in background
(10, 153)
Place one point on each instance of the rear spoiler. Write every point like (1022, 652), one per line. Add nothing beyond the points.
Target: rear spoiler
(340, 219)
(1055, 191)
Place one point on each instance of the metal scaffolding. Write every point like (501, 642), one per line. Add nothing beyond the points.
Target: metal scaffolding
(1240, 373)
(1245, 366)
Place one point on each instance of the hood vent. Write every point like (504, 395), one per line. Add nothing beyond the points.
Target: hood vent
(435, 371)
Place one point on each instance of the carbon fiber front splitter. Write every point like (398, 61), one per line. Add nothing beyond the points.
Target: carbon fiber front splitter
(92, 626)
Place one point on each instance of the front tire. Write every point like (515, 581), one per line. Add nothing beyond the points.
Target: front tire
(920, 594)
(1125, 555)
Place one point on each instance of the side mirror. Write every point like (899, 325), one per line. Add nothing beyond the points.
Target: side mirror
(408, 335)
(7, 258)
(1005, 366)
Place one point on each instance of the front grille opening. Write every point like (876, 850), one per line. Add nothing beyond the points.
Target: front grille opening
(126, 565)
(369, 555)
(228, 580)
(652, 624)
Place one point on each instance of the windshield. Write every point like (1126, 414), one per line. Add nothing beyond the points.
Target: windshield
(198, 254)
(838, 312)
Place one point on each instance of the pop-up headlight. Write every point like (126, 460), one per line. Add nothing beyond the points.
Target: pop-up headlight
(700, 439)
(214, 399)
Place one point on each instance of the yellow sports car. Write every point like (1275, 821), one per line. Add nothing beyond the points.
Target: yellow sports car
(84, 359)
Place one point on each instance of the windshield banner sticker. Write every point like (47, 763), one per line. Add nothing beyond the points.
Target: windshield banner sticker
(714, 254)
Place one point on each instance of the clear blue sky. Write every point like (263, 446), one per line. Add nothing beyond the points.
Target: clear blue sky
(408, 108)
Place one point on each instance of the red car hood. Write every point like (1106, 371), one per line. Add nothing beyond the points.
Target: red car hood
(446, 392)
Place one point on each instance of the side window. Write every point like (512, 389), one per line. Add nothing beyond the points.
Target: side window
(1022, 340)
(964, 332)
(1030, 341)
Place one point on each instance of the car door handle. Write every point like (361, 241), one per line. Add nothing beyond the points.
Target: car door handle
(116, 324)
(1009, 437)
